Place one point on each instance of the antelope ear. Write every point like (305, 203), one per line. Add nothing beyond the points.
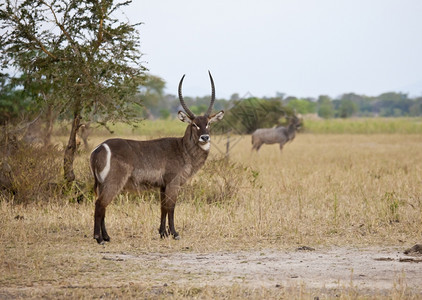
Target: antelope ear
(184, 117)
(217, 117)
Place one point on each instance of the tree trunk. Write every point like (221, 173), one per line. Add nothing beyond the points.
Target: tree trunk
(69, 153)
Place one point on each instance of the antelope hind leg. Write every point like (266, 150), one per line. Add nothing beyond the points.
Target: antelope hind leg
(98, 220)
(107, 193)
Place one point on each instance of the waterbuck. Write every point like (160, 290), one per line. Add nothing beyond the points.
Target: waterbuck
(278, 135)
(167, 163)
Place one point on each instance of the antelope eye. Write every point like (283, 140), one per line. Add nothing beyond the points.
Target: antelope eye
(197, 127)
(208, 125)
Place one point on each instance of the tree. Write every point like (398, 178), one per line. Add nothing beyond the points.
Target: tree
(325, 107)
(416, 108)
(250, 114)
(14, 102)
(394, 104)
(152, 91)
(347, 108)
(20, 102)
(89, 59)
(235, 97)
(302, 106)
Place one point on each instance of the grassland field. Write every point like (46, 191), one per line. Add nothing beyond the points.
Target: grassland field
(341, 184)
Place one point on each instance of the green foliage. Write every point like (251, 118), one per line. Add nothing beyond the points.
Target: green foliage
(152, 90)
(385, 105)
(394, 105)
(14, 102)
(199, 109)
(248, 115)
(347, 108)
(325, 107)
(416, 108)
(164, 113)
(89, 65)
(302, 106)
(153, 85)
(154, 102)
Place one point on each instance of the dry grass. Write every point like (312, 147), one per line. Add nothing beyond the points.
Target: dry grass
(322, 191)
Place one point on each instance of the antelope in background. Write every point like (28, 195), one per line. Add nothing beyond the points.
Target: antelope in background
(166, 163)
(278, 135)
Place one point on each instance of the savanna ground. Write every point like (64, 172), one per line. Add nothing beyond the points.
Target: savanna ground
(330, 217)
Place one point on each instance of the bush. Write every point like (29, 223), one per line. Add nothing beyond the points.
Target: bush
(250, 114)
(29, 173)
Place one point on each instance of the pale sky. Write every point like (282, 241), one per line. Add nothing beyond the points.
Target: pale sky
(303, 48)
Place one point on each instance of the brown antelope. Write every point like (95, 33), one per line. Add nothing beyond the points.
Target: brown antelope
(278, 135)
(166, 163)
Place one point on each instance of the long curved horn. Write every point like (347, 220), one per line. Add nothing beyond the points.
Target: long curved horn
(212, 96)
(182, 102)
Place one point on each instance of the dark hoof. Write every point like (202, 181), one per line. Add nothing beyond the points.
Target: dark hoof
(106, 238)
(99, 239)
(176, 236)
(163, 234)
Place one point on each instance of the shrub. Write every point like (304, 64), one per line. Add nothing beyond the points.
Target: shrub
(250, 114)
(29, 173)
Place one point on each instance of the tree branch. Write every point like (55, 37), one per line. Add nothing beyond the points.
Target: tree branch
(33, 37)
(68, 37)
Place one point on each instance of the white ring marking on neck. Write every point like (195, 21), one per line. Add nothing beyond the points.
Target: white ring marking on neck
(205, 147)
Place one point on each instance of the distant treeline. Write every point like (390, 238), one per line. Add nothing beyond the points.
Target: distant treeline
(158, 105)
(345, 106)
(353, 105)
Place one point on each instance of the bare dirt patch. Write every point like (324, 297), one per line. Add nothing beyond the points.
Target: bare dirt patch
(375, 272)
(374, 269)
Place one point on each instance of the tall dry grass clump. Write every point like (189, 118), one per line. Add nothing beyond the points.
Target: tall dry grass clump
(219, 182)
(30, 172)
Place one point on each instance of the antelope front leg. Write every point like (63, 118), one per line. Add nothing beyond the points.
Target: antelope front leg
(171, 198)
(168, 203)
(281, 147)
(162, 230)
